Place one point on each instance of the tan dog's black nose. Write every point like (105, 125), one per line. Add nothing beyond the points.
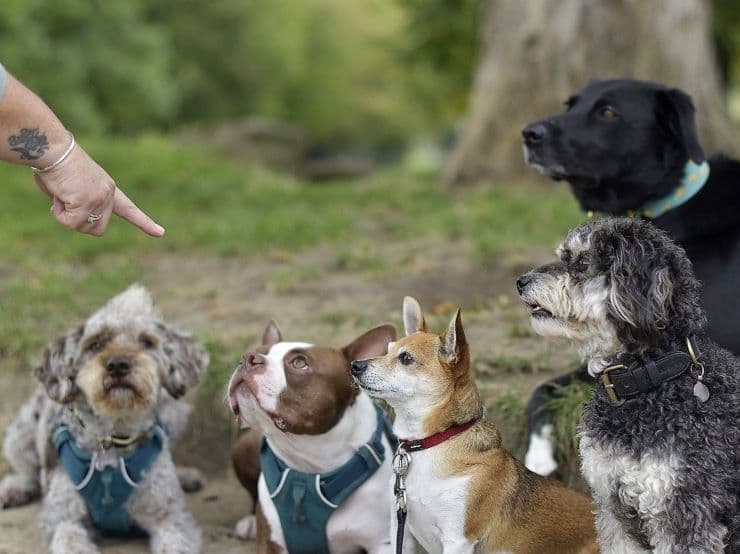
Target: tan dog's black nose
(118, 366)
(358, 367)
(522, 282)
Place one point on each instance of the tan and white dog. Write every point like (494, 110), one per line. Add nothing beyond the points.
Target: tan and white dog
(315, 422)
(467, 493)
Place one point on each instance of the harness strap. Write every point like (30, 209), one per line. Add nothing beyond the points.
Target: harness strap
(106, 481)
(294, 492)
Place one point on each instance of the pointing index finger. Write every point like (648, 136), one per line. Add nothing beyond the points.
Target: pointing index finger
(124, 208)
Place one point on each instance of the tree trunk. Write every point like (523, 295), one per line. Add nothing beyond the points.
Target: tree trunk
(535, 53)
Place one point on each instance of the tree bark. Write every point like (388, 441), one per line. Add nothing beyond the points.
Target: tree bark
(535, 53)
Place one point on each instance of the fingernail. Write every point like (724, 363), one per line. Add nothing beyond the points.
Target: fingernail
(159, 229)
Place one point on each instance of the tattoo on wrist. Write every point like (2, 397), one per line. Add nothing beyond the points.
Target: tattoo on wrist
(29, 144)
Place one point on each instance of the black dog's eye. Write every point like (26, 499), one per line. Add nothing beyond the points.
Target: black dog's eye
(147, 342)
(608, 113)
(405, 358)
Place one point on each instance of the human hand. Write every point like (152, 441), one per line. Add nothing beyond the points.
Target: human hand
(79, 187)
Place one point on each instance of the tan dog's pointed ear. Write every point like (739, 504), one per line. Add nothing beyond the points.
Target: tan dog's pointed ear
(57, 371)
(372, 344)
(454, 344)
(272, 334)
(413, 317)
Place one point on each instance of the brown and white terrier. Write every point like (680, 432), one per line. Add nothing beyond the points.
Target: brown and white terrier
(466, 493)
(301, 398)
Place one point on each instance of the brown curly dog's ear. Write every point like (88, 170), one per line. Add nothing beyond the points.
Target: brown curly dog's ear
(187, 357)
(57, 371)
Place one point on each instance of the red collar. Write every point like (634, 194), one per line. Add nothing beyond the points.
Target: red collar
(437, 438)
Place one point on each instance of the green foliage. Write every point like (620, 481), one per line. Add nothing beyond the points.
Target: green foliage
(100, 65)
(567, 408)
(727, 38)
(441, 49)
(327, 66)
(508, 414)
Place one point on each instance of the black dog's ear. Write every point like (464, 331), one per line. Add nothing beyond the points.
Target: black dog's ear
(675, 112)
(57, 371)
(187, 358)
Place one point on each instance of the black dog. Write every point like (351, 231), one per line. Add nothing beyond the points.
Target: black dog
(628, 148)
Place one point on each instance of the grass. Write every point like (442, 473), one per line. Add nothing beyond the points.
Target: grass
(213, 206)
(566, 408)
(51, 278)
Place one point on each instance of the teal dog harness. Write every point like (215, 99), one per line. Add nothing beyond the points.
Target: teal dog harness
(306, 501)
(105, 483)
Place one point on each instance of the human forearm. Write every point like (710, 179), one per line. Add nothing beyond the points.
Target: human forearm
(30, 133)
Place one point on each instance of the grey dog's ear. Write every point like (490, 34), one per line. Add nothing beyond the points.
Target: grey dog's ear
(641, 291)
(676, 114)
(187, 360)
(57, 371)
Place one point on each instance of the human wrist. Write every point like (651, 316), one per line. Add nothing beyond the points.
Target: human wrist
(37, 146)
(59, 160)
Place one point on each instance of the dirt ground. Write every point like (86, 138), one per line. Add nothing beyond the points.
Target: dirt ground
(316, 298)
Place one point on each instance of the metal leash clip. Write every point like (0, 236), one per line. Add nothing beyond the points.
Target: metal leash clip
(700, 389)
(401, 462)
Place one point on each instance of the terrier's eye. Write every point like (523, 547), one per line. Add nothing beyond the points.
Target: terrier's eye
(582, 263)
(299, 363)
(94, 346)
(608, 113)
(147, 342)
(405, 358)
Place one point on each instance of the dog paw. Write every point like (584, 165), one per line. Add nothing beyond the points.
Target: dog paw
(246, 528)
(15, 491)
(540, 456)
(191, 479)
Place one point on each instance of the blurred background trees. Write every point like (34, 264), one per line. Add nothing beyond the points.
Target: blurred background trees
(377, 76)
(536, 53)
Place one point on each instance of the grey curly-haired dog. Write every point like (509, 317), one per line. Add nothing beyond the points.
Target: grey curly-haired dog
(94, 438)
(659, 439)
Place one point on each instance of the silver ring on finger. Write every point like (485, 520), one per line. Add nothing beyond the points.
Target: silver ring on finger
(92, 217)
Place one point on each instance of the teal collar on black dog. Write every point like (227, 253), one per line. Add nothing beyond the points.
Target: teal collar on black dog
(694, 178)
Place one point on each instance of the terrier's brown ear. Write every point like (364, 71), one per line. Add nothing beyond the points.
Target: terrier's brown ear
(187, 358)
(372, 344)
(413, 317)
(453, 345)
(57, 371)
(272, 334)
